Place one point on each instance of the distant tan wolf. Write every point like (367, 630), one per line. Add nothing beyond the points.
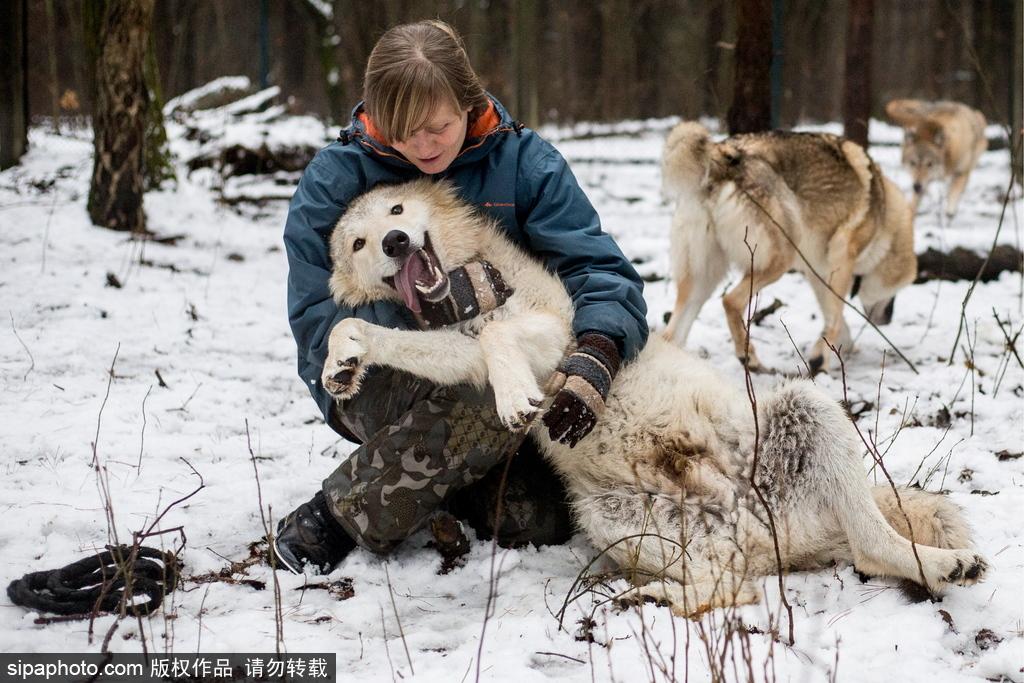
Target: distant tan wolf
(941, 141)
(663, 482)
(781, 195)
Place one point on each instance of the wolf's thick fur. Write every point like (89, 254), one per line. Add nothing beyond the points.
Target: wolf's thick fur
(668, 465)
(941, 141)
(774, 194)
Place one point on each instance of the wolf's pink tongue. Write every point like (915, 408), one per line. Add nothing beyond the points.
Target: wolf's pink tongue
(405, 281)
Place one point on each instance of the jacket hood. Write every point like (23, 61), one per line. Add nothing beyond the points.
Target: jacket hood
(485, 132)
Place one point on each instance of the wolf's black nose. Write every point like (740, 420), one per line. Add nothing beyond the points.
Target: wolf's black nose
(918, 187)
(395, 244)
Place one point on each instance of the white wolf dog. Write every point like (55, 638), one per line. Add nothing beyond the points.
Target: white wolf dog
(664, 480)
(941, 141)
(766, 203)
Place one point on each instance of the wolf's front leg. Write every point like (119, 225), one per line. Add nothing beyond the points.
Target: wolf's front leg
(444, 357)
(956, 188)
(518, 351)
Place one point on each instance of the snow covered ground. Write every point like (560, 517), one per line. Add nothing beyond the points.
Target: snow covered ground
(203, 376)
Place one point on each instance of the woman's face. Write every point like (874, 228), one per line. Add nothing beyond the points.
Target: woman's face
(434, 146)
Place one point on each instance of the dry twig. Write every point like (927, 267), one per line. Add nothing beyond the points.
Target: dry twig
(268, 530)
(752, 397)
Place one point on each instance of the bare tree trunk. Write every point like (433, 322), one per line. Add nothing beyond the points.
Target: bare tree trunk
(327, 42)
(565, 77)
(13, 82)
(524, 32)
(181, 76)
(51, 32)
(157, 161)
(81, 87)
(941, 34)
(476, 27)
(1017, 108)
(356, 24)
(751, 108)
(650, 81)
(712, 49)
(778, 52)
(585, 33)
(857, 90)
(119, 116)
(618, 60)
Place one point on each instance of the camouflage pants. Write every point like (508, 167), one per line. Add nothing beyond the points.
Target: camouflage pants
(421, 444)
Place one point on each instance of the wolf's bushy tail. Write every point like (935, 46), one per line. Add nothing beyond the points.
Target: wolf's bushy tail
(935, 519)
(809, 445)
(684, 158)
(905, 112)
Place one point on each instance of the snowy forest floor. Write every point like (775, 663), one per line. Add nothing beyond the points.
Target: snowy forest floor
(173, 364)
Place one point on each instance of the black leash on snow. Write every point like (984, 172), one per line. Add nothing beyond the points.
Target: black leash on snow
(98, 583)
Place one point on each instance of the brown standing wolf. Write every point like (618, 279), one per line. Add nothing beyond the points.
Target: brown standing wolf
(809, 201)
(941, 141)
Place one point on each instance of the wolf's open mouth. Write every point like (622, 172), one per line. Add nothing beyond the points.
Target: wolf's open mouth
(420, 277)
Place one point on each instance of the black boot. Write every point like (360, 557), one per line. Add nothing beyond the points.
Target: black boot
(310, 534)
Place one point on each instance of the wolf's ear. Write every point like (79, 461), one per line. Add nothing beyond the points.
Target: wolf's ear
(905, 113)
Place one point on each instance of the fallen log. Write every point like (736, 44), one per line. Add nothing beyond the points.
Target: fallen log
(216, 93)
(964, 264)
(257, 159)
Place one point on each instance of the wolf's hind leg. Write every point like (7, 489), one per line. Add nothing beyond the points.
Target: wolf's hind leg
(842, 253)
(698, 263)
(842, 341)
(810, 460)
(935, 519)
(736, 302)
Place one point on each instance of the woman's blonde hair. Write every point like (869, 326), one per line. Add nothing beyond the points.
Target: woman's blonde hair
(413, 69)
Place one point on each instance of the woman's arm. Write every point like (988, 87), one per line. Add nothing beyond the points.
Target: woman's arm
(565, 231)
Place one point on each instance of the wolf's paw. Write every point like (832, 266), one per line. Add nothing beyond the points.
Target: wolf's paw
(752, 363)
(822, 355)
(344, 370)
(968, 570)
(816, 364)
(955, 568)
(343, 379)
(635, 599)
(517, 409)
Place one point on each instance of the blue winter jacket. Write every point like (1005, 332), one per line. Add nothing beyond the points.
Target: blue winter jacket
(507, 171)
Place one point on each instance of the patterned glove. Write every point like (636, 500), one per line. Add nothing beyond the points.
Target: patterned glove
(589, 372)
(474, 289)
